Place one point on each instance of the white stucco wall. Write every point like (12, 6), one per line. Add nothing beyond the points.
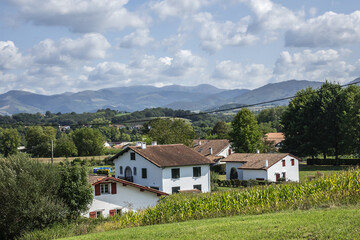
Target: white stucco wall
(254, 174)
(224, 152)
(103, 207)
(292, 172)
(236, 165)
(154, 173)
(186, 180)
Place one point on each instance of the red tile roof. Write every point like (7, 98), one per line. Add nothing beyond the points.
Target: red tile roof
(217, 145)
(124, 182)
(169, 155)
(275, 137)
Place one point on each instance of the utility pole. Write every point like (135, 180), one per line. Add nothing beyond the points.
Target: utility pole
(52, 152)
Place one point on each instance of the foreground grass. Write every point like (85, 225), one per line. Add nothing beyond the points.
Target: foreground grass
(330, 223)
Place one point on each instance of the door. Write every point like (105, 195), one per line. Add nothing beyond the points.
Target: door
(128, 174)
(277, 176)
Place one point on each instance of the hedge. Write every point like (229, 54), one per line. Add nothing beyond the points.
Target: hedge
(335, 162)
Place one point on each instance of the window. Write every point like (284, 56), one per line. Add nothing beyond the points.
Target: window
(134, 170)
(156, 188)
(175, 173)
(175, 189)
(118, 211)
(121, 170)
(260, 179)
(98, 214)
(196, 171)
(144, 173)
(132, 156)
(104, 188)
(283, 163)
(197, 187)
(284, 175)
(292, 162)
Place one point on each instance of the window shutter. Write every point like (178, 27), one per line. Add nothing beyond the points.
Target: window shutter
(97, 190)
(113, 188)
(92, 214)
(112, 212)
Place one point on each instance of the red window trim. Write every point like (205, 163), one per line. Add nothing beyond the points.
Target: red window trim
(113, 188)
(97, 190)
(283, 163)
(92, 214)
(292, 162)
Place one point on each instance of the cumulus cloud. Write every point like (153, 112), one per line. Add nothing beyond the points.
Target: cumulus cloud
(328, 30)
(10, 57)
(175, 8)
(139, 38)
(184, 63)
(89, 47)
(314, 65)
(81, 15)
(271, 16)
(235, 75)
(215, 35)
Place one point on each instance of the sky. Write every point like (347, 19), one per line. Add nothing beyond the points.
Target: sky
(51, 47)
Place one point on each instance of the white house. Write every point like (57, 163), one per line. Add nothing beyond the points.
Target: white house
(263, 166)
(214, 150)
(168, 168)
(115, 196)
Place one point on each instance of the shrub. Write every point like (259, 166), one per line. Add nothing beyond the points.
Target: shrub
(233, 173)
(103, 171)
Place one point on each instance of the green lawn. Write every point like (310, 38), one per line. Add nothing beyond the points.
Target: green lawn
(330, 223)
(306, 171)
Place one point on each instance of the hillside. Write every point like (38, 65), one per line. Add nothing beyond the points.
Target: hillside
(331, 223)
(134, 98)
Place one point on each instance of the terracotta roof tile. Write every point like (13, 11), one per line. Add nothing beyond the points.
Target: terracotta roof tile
(217, 146)
(275, 137)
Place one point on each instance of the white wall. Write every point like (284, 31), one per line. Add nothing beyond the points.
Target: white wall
(292, 172)
(186, 180)
(103, 207)
(154, 173)
(253, 174)
(236, 165)
(129, 197)
(224, 152)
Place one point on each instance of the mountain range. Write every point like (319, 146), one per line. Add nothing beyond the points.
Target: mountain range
(134, 98)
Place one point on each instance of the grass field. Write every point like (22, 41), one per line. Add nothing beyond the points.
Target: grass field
(306, 171)
(329, 223)
(61, 159)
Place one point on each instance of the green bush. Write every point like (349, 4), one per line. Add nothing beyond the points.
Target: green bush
(220, 169)
(103, 171)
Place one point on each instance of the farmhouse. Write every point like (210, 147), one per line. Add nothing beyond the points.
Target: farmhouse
(275, 138)
(115, 196)
(167, 168)
(263, 166)
(214, 150)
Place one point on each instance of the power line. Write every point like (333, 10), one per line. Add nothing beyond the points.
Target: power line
(179, 116)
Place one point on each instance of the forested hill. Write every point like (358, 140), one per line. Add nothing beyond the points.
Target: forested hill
(135, 98)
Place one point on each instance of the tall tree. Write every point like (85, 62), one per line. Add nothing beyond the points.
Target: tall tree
(166, 131)
(39, 140)
(9, 141)
(245, 136)
(221, 130)
(88, 141)
(65, 146)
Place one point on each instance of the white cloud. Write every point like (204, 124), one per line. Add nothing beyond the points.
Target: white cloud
(184, 63)
(176, 8)
(314, 65)
(235, 75)
(215, 35)
(10, 57)
(328, 30)
(65, 51)
(271, 16)
(81, 15)
(139, 38)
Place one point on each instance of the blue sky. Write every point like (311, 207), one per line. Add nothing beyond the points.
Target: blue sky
(54, 46)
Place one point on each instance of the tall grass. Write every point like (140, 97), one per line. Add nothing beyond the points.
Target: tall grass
(339, 189)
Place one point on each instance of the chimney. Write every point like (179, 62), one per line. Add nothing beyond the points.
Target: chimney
(266, 164)
(199, 142)
(210, 151)
(154, 143)
(143, 145)
(257, 151)
(138, 144)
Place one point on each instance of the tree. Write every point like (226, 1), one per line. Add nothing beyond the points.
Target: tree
(166, 131)
(28, 196)
(233, 174)
(9, 141)
(88, 141)
(39, 140)
(75, 189)
(65, 147)
(245, 136)
(221, 129)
